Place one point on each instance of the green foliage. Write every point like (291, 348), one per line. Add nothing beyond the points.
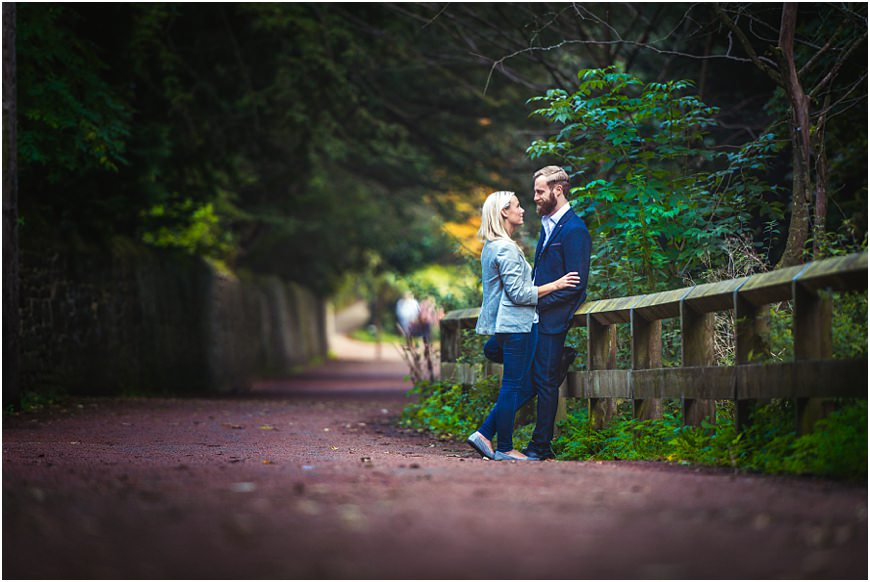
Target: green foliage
(577, 338)
(32, 401)
(837, 446)
(71, 119)
(471, 348)
(202, 236)
(623, 439)
(450, 410)
(451, 286)
(849, 324)
(365, 334)
(293, 139)
(657, 196)
(848, 327)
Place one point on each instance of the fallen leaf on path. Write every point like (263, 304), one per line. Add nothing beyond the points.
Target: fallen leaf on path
(761, 521)
(267, 462)
(352, 517)
(267, 427)
(234, 426)
(308, 507)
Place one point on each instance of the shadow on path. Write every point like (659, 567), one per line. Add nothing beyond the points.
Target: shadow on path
(340, 379)
(310, 477)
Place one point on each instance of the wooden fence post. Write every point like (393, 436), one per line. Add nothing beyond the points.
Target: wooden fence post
(450, 340)
(750, 338)
(697, 331)
(813, 340)
(602, 356)
(646, 352)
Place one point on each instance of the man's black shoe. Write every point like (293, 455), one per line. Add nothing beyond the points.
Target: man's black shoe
(568, 355)
(534, 455)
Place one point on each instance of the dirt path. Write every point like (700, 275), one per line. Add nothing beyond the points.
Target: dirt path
(309, 478)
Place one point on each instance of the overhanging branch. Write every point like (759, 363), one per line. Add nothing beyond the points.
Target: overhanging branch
(747, 46)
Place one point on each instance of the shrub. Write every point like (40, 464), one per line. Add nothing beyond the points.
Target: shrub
(836, 448)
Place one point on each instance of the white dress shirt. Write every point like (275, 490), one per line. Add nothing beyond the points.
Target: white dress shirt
(550, 222)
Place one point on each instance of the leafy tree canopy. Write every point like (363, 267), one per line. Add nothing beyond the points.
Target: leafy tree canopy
(289, 138)
(300, 139)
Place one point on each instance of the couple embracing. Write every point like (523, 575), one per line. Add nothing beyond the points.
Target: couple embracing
(528, 311)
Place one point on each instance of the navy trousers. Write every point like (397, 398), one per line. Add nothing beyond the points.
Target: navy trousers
(517, 351)
(545, 379)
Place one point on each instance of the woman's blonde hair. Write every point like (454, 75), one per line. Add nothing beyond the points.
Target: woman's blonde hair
(491, 221)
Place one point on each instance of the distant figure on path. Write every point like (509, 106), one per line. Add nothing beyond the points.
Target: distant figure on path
(429, 316)
(508, 312)
(407, 312)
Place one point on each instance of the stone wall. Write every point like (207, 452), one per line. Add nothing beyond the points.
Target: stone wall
(133, 320)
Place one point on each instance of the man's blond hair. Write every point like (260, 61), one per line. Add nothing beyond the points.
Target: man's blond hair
(555, 175)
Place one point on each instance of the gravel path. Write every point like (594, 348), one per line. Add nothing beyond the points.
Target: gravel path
(310, 478)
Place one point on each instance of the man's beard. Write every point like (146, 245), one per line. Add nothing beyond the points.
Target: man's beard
(546, 207)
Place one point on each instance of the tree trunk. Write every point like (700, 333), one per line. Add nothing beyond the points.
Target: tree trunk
(11, 325)
(821, 211)
(798, 230)
(799, 223)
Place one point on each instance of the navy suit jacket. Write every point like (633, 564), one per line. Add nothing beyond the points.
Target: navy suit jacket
(569, 249)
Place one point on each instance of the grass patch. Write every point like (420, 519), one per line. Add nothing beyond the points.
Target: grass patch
(365, 334)
(36, 401)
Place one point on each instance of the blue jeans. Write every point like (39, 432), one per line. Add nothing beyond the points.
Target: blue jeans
(518, 352)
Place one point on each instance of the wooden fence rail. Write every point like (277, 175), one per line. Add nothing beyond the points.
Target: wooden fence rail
(698, 382)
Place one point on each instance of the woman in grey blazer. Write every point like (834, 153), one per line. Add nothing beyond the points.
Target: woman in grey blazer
(509, 314)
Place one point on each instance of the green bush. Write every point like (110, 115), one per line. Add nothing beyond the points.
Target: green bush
(448, 409)
(836, 448)
(659, 197)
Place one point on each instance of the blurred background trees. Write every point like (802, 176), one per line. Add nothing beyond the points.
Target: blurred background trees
(320, 141)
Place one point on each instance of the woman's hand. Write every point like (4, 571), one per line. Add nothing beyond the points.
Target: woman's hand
(571, 279)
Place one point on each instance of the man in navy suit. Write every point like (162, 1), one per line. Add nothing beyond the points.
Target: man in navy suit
(564, 246)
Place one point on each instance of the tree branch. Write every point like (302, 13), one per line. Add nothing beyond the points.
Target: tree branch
(818, 54)
(854, 86)
(836, 68)
(434, 18)
(612, 42)
(747, 46)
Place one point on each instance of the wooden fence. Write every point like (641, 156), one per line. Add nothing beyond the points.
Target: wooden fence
(698, 382)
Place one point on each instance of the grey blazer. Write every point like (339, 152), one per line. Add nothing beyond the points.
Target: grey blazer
(509, 296)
